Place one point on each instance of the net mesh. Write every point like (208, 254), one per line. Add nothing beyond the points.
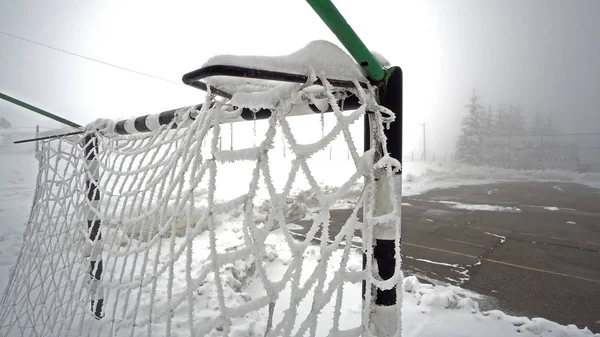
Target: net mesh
(174, 241)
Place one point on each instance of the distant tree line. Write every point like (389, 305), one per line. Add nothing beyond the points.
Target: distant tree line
(483, 123)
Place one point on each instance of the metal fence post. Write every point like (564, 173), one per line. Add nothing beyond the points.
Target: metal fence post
(37, 135)
(510, 160)
(578, 158)
(541, 150)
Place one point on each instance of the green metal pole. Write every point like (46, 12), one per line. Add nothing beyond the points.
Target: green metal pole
(338, 25)
(38, 110)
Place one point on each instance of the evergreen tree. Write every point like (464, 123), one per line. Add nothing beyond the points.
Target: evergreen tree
(473, 128)
(510, 122)
(516, 122)
(488, 122)
(538, 125)
(502, 127)
(542, 125)
(549, 126)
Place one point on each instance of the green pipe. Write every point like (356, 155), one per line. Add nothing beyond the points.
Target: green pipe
(39, 111)
(338, 25)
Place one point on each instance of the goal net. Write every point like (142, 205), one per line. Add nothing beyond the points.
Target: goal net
(175, 232)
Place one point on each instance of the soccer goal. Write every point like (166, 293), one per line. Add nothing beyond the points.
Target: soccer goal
(153, 226)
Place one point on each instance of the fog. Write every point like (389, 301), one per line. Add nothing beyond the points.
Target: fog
(538, 55)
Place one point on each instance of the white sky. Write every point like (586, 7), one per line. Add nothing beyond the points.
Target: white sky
(540, 54)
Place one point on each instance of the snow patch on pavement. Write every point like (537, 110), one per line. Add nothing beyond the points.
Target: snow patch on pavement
(293, 226)
(434, 262)
(502, 238)
(480, 207)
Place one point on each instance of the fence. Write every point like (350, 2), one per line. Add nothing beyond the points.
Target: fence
(575, 152)
(9, 135)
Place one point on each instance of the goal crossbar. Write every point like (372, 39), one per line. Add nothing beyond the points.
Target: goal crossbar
(151, 122)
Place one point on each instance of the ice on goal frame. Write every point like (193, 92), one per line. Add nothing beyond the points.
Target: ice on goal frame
(378, 99)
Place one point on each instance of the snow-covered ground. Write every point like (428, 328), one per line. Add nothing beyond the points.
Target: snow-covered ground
(428, 310)
(420, 177)
(18, 174)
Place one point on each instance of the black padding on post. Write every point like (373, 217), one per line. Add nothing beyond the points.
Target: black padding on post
(120, 128)
(90, 147)
(94, 230)
(249, 115)
(391, 98)
(96, 306)
(384, 253)
(92, 190)
(140, 124)
(364, 282)
(96, 272)
(367, 133)
(166, 117)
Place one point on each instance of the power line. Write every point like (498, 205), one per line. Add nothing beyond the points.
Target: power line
(92, 59)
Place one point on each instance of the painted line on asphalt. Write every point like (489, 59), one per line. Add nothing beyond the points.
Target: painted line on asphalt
(487, 229)
(528, 234)
(541, 270)
(532, 234)
(438, 249)
(504, 263)
(466, 243)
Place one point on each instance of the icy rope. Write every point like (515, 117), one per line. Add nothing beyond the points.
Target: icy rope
(163, 243)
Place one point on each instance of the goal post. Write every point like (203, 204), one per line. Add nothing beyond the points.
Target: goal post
(386, 249)
(344, 32)
(386, 314)
(94, 223)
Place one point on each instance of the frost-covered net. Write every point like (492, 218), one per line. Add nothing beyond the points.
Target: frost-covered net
(195, 237)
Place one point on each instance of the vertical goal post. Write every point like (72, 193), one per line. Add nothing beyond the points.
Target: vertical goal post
(389, 83)
(94, 224)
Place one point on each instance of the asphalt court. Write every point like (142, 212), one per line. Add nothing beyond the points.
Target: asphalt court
(536, 250)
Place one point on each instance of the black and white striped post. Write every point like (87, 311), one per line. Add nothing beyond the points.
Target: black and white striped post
(153, 122)
(94, 225)
(149, 123)
(384, 315)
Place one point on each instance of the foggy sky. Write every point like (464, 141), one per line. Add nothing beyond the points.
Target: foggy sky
(541, 55)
